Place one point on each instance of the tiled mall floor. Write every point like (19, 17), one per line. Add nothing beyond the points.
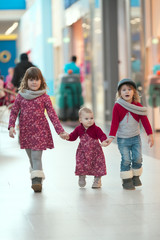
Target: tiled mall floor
(63, 211)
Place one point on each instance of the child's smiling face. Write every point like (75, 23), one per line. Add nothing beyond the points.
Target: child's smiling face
(127, 93)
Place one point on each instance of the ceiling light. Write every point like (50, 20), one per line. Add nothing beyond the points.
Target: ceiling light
(12, 28)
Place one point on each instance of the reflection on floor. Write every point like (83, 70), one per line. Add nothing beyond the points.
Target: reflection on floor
(63, 211)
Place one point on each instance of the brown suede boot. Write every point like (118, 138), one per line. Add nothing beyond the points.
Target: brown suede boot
(37, 184)
(136, 181)
(128, 184)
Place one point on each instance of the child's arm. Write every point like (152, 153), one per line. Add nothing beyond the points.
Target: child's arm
(107, 142)
(14, 112)
(115, 120)
(64, 135)
(150, 140)
(147, 126)
(114, 126)
(53, 116)
(12, 132)
(73, 135)
(100, 134)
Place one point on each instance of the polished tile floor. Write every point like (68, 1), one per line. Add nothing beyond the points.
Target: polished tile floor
(63, 211)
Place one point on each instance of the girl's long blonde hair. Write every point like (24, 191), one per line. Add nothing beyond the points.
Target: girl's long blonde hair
(136, 97)
(32, 73)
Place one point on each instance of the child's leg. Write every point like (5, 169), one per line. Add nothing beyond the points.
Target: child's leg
(97, 182)
(124, 145)
(137, 161)
(82, 180)
(28, 151)
(36, 157)
(37, 174)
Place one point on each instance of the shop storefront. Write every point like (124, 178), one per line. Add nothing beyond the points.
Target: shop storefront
(77, 41)
(112, 40)
(81, 34)
(152, 61)
(143, 53)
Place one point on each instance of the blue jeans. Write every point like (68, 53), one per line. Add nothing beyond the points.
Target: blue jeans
(131, 152)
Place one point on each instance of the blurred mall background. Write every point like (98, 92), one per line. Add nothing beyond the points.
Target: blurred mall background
(113, 39)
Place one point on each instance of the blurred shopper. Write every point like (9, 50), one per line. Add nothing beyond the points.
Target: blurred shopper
(20, 69)
(2, 93)
(10, 75)
(127, 113)
(90, 158)
(11, 94)
(72, 66)
(35, 133)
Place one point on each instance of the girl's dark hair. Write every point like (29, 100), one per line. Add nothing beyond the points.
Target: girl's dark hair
(32, 73)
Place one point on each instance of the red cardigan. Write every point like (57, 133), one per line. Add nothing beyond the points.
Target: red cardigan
(119, 113)
(93, 131)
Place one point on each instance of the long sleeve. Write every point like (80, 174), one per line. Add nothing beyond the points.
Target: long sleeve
(100, 134)
(74, 135)
(53, 116)
(146, 125)
(115, 121)
(14, 112)
(145, 122)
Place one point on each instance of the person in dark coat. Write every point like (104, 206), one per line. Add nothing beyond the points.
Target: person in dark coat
(20, 69)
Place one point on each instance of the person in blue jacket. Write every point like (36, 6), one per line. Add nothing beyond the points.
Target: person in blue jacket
(72, 66)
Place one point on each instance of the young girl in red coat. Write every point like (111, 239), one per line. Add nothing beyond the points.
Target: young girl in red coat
(35, 135)
(90, 159)
(127, 113)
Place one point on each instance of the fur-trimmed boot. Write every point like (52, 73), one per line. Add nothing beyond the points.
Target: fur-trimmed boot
(127, 181)
(37, 177)
(136, 174)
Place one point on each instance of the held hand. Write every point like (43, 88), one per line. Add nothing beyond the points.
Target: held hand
(107, 142)
(12, 132)
(64, 135)
(104, 144)
(150, 140)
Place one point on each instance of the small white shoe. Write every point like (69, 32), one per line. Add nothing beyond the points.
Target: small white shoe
(82, 181)
(97, 182)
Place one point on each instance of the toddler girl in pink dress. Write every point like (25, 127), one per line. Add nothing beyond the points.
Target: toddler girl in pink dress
(90, 158)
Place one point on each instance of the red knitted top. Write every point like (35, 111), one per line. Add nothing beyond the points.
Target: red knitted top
(119, 113)
(93, 131)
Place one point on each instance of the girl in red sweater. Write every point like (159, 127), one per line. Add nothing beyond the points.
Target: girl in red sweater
(127, 113)
(90, 158)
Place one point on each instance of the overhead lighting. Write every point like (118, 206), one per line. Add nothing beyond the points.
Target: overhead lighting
(66, 39)
(97, 19)
(155, 40)
(51, 40)
(12, 28)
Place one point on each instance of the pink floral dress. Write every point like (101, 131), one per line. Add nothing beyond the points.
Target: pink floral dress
(90, 158)
(34, 128)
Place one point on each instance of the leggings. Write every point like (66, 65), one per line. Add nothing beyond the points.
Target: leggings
(35, 158)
